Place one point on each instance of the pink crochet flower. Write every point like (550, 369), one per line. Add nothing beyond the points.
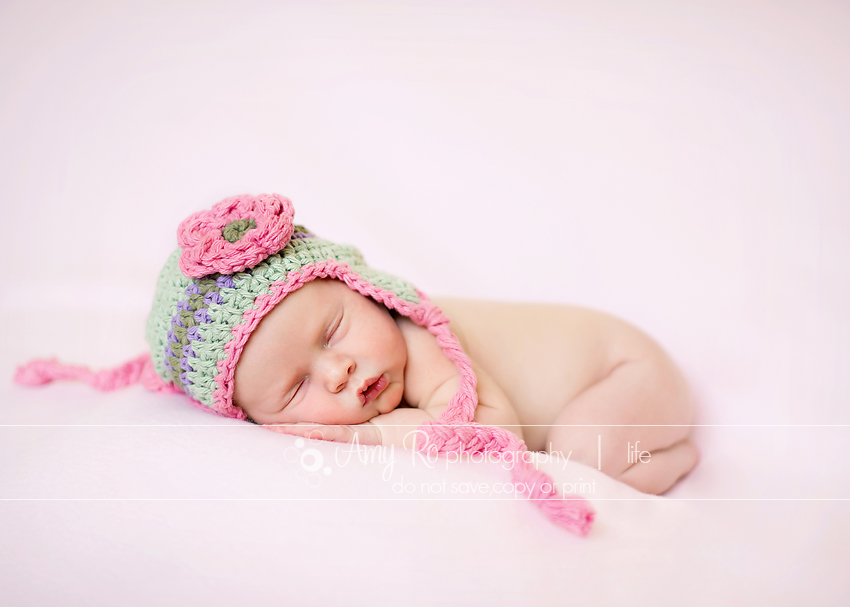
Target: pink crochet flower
(237, 233)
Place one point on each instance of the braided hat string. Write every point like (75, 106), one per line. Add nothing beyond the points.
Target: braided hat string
(44, 371)
(455, 432)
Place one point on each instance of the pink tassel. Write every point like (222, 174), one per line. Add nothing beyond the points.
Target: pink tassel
(573, 512)
(40, 372)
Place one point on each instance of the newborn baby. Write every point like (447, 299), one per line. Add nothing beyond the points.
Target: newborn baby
(256, 318)
(327, 362)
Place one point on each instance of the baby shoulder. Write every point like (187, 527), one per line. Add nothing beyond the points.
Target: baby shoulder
(428, 372)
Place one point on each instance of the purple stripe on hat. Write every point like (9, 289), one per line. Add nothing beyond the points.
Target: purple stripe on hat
(184, 364)
(175, 321)
(193, 289)
(213, 297)
(184, 379)
(184, 305)
(225, 282)
(202, 315)
(192, 333)
(172, 337)
(168, 364)
(169, 352)
(188, 352)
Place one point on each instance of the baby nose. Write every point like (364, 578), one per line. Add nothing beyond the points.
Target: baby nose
(338, 369)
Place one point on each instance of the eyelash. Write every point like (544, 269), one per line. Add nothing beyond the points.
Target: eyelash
(334, 330)
(295, 393)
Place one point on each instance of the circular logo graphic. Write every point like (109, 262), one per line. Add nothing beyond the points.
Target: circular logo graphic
(311, 461)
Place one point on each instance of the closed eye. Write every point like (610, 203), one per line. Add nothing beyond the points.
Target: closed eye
(334, 329)
(293, 394)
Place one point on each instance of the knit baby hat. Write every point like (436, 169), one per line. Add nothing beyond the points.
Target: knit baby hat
(235, 262)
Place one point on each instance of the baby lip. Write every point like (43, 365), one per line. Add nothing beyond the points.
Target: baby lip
(371, 388)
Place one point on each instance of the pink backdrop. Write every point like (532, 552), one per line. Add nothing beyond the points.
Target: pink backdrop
(682, 165)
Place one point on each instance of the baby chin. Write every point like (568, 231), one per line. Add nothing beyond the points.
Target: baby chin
(389, 399)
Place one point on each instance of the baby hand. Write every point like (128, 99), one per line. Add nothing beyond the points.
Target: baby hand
(365, 433)
(398, 427)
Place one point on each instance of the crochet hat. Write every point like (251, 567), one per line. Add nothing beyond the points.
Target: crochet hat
(238, 260)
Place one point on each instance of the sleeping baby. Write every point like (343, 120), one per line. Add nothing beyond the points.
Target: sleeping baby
(328, 362)
(256, 318)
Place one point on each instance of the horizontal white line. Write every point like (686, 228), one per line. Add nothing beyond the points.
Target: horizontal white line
(414, 425)
(421, 499)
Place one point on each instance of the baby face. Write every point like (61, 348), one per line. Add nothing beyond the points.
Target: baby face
(325, 354)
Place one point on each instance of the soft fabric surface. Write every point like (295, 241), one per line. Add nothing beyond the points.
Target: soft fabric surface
(680, 165)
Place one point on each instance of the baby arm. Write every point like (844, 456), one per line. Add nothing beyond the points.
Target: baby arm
(431, 380)
(398, 427)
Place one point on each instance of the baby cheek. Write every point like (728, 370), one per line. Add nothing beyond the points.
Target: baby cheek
(398, 346)
(391, 398)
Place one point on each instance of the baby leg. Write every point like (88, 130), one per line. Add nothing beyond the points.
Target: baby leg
(640, 406)
(664, 468)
